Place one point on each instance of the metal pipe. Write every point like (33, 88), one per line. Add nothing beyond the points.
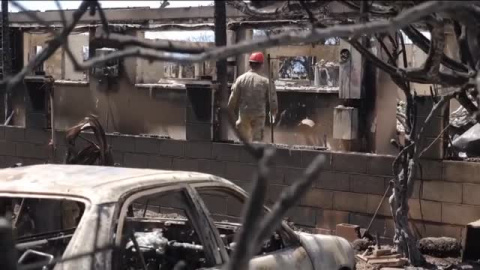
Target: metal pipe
(27, 245)
(269, 71)
(52, 122)
(43, 254)
(9, 118)
(378, 207)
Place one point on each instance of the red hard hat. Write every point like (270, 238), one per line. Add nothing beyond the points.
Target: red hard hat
(256, 57)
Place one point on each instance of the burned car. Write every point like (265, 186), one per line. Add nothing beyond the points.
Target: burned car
(92, 217)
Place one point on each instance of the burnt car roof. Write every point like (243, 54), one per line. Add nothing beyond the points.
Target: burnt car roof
(98, 184)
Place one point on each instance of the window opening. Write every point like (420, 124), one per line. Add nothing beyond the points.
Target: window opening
(163, 227)
(42, 227)
(225, 209)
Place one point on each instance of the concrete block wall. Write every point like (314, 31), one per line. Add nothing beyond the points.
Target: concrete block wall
(349, 188)
(437, 123)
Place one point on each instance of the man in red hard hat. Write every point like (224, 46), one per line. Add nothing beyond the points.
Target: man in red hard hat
(250, 94)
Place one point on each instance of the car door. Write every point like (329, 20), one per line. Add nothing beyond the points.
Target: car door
(168, 226)
(224, 205)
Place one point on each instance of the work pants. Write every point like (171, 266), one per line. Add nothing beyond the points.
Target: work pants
(251, 126)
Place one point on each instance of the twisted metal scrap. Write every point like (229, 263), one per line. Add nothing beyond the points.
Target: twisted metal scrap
(95, 153)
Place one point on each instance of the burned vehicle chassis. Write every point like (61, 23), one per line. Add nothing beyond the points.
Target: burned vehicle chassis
(128, 225)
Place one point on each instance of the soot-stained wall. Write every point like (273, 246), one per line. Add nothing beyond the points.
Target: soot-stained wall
(348, 190)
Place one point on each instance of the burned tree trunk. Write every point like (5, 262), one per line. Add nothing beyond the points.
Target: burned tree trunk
(405, 166)
(404, 239)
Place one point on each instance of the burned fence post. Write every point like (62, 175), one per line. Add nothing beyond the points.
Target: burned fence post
(6, 59)
(221, 93)
(8, 252)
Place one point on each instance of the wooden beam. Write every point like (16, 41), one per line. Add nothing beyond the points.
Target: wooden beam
(130, 15)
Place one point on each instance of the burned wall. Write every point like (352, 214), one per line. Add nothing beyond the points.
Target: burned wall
(158, 110)
(349, 188)
(78, 44)
(148, 71)
(33, 43)
(59, 65)
(135, 102)
(125, 108)
(73, 102)
(119, 104)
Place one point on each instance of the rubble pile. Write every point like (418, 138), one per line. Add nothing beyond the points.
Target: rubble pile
(378, 257)
(440, 246)
(464, 131)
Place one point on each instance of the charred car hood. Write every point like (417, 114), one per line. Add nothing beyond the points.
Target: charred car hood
(328, 252)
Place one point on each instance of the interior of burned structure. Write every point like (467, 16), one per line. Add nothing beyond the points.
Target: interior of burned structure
(140, 97)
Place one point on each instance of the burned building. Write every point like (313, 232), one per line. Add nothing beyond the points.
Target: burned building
(162, 115)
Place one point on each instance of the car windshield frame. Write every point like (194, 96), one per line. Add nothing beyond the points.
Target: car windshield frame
(20, 242)
(237, 191)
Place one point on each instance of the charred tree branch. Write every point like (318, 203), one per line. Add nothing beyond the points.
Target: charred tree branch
(286, 10)
(464, 50)
(293, 37)
(290, 197)
(120, 41)
(422, 42)
(246, 246)
(468, 105)
(431, 67)
(53, 45)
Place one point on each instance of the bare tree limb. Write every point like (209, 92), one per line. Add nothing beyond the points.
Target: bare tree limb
(343, 31)
(255, 230)
(434, 141)
(103, 18)
(245, 238)
(269, 24)
(392, 60)
(420, 137)
(284, 11)
(431, 67)
(467, 16)
(311, 17)
(468, 105)
(50, 49)
(289, 197)
(413, 75)
(62, 14)
(353, 5)
(422, 42)
(33, 16)
(464, 50)
(251, 11)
